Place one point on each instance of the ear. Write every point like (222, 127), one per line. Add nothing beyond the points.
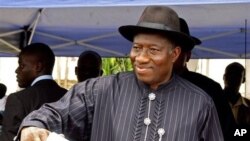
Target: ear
(175, 53)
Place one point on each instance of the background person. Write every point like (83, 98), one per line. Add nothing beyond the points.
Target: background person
(211, 87)
(3, 98)
(233, 78)
(36, 62)
(89, 65)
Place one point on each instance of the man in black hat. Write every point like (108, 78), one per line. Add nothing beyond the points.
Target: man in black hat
(211, 87)
(151, 103)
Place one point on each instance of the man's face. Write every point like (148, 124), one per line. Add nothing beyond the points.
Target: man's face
(26, 70)
(234, 80)
(152, 57)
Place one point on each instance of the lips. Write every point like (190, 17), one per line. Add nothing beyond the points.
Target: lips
(17, 79)
(142, 69)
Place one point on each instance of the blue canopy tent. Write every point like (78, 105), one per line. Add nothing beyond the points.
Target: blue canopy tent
(72, 26)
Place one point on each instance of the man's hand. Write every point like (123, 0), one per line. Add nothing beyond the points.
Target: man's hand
(34, 134)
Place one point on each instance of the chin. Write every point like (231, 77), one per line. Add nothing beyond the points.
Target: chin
(144, 79)
(22, 86)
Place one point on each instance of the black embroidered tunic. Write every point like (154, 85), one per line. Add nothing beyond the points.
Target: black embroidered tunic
(121, 108)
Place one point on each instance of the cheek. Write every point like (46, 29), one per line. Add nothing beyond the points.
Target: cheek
(163, 65)
(20, 72)
(161, 60)
(26, 72)
(132, 57)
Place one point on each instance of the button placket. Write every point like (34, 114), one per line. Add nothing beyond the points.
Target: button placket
(147, 120)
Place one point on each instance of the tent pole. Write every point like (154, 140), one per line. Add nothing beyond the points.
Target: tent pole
(35, 25)
(245, 39)
(99, 37)
(11, 33)
(220, 35)
(53, 36)
(10, 45)
(63, 45)
(245, 57)
(216, 51)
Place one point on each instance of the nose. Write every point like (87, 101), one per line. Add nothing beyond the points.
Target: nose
(16, 71)
(142, 57)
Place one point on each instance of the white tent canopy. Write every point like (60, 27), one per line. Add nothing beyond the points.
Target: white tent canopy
(72, 26)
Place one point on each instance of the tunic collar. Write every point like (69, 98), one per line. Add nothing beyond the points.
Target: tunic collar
(146, 88)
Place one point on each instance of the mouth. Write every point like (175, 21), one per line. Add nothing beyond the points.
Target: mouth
(17, 78)
(140, 69)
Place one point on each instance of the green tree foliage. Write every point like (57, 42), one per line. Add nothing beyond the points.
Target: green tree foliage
(115, 65)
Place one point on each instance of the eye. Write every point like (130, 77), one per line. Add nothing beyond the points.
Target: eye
(154, 50)
(136, 48)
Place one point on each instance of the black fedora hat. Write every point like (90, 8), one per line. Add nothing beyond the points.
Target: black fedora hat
(158, 19)
(185, 29)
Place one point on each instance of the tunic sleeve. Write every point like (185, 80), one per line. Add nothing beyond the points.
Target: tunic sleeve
(210, 129)
(71, 115)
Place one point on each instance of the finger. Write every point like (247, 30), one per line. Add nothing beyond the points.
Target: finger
(44, 135)
(34, 134)
(36, 138)
(26, 135)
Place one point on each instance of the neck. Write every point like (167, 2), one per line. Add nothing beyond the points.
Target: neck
(232, 89)
(232, 95)
(156, 85)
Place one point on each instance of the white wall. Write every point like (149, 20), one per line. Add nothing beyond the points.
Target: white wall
(7, 73)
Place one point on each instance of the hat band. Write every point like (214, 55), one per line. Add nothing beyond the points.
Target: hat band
(154, 26)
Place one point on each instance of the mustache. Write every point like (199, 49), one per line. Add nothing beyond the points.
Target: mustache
(142, 65)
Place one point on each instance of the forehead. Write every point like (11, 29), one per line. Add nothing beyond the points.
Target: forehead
(151, 38)
(27, 58)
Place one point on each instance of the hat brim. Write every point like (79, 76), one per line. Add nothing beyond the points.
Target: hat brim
(196, 40)
(130, 31)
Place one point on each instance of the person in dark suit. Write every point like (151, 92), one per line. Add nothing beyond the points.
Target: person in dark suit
(233, 77)
(89, 65)
(212, 88)
(3, 98)
(34, 74)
